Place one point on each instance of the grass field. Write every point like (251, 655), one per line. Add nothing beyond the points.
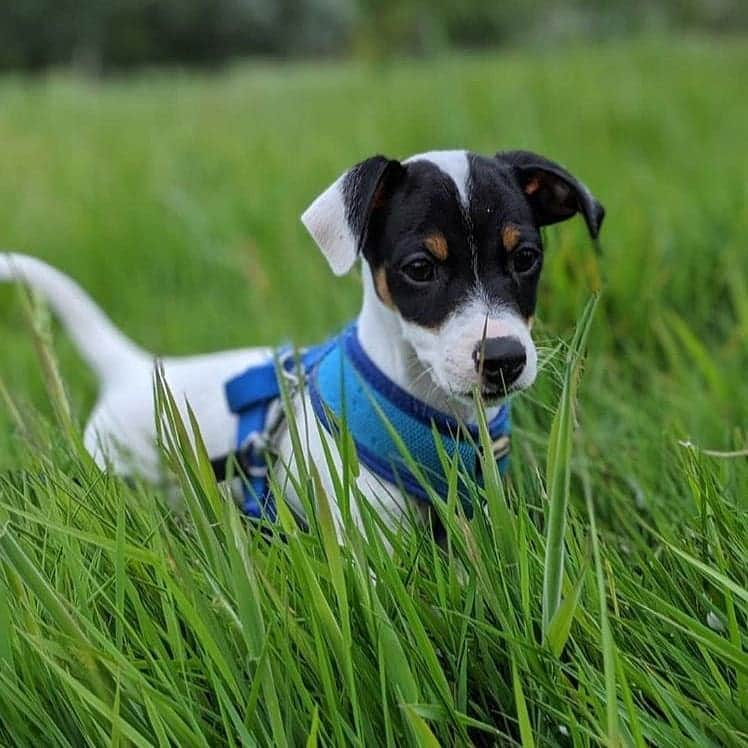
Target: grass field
(174, 199)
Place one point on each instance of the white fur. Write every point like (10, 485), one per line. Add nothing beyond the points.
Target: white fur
(447, 351)
(326, 222)
(454, 164)
(106, 350)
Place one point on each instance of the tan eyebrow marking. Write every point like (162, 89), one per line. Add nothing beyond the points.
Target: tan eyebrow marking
(383, 290)
(510, 237)
(437, 245)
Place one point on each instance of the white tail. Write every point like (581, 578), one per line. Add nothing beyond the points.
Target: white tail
(107, 350)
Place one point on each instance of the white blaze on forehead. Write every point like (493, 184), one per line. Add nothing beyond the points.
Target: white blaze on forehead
(454, 164)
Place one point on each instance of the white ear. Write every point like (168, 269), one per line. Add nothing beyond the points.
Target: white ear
(325, 219)
(338, 219)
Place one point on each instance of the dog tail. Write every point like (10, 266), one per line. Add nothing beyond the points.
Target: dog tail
(107, 350)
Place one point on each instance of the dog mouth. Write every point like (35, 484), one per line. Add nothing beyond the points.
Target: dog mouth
(494, 396)
(488, 395)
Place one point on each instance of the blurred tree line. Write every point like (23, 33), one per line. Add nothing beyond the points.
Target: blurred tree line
(98, 35)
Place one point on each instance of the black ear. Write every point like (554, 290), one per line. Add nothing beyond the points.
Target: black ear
(553, 193)
(338, 219)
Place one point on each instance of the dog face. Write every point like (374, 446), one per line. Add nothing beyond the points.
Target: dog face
(453, 243)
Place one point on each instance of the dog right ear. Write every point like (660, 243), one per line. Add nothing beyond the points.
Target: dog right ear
(338, 219)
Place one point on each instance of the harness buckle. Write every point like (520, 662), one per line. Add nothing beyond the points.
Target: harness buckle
(251, 454)
(286, 357)
(254, 440)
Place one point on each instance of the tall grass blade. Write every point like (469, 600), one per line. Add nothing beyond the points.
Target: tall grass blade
(523, 718)
(558, 469)
(610, 656)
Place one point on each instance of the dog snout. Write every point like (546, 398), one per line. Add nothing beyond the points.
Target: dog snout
(499, 361)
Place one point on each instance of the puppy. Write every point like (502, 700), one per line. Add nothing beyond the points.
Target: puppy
(451, 257)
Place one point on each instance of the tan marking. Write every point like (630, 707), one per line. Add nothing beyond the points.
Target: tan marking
(437, 245)
(510, 237)
(532, 186)
(530, 321)
(383, 290)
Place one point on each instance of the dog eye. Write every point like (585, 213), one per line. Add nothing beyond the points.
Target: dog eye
(419, 270)
(525, 260)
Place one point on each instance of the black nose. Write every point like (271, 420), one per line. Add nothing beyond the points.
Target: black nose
(499, 360)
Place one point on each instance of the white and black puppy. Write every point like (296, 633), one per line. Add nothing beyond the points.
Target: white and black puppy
(452, 254)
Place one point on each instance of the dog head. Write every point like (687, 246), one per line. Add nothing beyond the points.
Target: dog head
(453, 243)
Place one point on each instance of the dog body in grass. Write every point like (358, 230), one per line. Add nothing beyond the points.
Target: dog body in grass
(452, 254)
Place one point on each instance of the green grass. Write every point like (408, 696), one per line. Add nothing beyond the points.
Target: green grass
(603, 597)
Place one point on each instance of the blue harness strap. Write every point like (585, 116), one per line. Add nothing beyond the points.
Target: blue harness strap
(251, 396)
(346, 386)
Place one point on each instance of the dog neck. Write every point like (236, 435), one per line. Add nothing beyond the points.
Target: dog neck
(380, 335)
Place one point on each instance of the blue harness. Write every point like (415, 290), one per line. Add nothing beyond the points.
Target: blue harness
(345, 386)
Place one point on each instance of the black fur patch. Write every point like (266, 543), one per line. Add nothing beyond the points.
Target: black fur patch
(553, 192)
(393, 209)
(424, 201)
(363, 191)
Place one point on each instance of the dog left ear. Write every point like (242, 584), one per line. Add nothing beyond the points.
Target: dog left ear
(338, 219)
(553, 193)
